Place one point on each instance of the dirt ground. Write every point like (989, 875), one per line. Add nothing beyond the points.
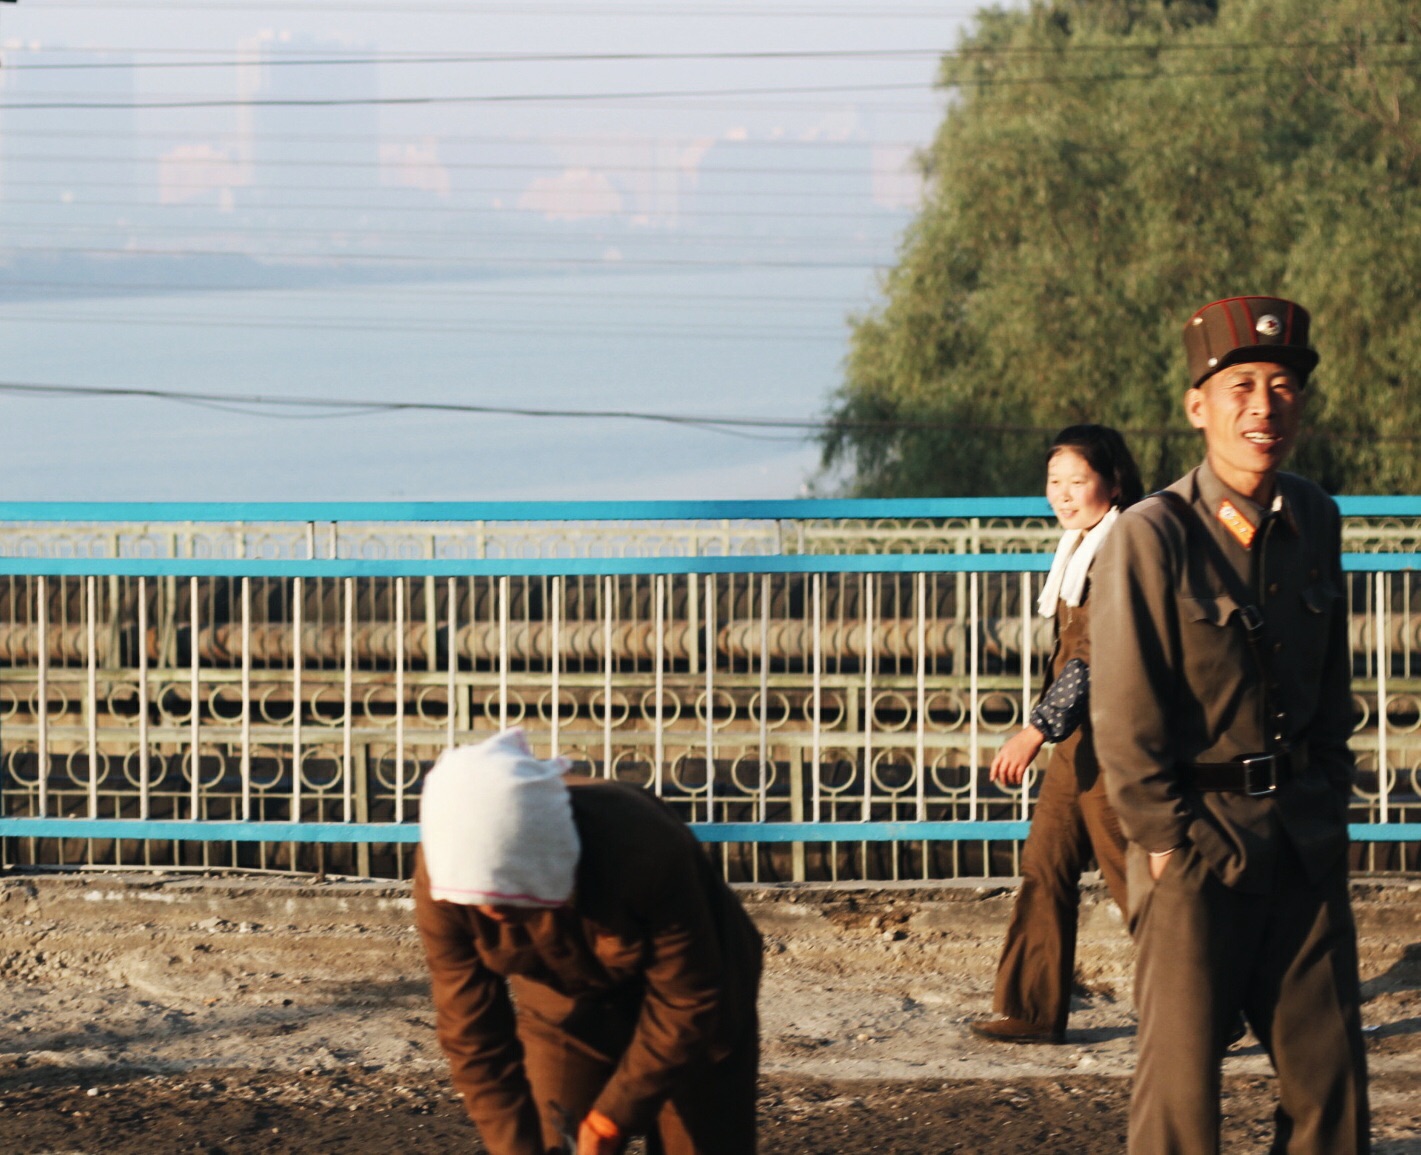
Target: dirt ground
(154, 1013)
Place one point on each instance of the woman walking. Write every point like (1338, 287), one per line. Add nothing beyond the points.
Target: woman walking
(1090, 477)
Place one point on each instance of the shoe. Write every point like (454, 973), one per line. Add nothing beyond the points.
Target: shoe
(1009, 1030)
(1236, 1032)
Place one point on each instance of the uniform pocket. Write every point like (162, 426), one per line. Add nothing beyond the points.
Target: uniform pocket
(1141, 888)
(1213, 644)
(1320, 596)
(1215, 610)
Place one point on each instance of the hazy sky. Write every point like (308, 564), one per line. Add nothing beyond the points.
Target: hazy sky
(745, 205)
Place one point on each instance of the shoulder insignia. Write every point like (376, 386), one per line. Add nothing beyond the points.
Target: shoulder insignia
(1236, 523)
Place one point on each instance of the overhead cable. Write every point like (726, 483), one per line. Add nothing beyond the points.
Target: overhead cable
(244, 58)
(881, 214)
(327, 259)
(410, 165)
(1067, 78)
(271, 54)
(714, 423)
(483, 98)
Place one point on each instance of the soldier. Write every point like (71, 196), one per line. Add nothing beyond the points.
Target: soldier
(594, 977)
(1222, 710)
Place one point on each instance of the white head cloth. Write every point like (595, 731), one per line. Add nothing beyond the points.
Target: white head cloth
(496, 826)
(1074, 553)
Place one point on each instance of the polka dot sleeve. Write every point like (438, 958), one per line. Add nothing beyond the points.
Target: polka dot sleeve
(1063, 707)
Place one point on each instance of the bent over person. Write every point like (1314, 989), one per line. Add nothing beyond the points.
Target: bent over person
(594, 977)
(1222, 710)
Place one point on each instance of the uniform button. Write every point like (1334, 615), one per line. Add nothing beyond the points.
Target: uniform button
(1272, 588)
(1277, 647)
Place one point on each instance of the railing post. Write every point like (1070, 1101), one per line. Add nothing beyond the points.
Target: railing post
(143, 765)
(798, 768)
(246, 699)
(1383, 668)
(362, 806)
(401, 587)
(659, 629)
(451, 721)
(297, 668)
(92, 691)
(43, 690)
(195, 695)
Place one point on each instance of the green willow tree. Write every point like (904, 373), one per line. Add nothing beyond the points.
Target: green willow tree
(1107, 166)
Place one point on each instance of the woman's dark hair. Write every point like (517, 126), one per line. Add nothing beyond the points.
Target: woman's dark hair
(1105, 451)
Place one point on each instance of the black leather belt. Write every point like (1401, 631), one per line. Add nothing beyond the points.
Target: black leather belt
(1252, 774)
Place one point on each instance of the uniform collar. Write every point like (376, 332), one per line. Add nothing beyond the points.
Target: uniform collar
(1213, 493)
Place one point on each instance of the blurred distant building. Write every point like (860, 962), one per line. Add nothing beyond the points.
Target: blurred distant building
(311, 132)
(69, 176)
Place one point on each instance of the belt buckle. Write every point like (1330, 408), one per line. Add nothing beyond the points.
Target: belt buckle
(1263, 763)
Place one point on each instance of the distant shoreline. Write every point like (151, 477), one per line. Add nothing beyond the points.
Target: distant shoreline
(30, 279)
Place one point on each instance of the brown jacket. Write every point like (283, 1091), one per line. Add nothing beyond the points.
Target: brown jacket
(653, 963)
(1174, 680)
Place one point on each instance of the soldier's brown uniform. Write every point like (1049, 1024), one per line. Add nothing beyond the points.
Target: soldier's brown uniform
(1071, 821)
(1252, 910)
(637, 999)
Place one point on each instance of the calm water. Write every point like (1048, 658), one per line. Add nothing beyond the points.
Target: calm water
(765, 343)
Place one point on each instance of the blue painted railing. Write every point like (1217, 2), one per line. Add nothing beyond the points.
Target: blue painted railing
(579, 511)
(103, 512)
(809, 509)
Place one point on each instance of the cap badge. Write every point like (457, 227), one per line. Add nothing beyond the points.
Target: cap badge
(1268, 326)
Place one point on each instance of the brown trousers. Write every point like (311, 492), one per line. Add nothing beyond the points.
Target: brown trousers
(1286, 959)
(711, 1111)
(1037, 967)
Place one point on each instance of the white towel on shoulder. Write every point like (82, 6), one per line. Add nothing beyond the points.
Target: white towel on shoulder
(1074, 553)
(496, 826)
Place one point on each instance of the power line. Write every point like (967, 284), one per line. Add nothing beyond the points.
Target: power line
(273, 50)
(199, 162)
(272, 54)
(495, 292)
(1068, 78)
(880, 108)
(607, 140)
(811, 194)
(935, 12)
(337, 407)
(306, 59)
(659, 94)
(362, 325)
(331, 260)
(642, 240)
(714, 423)
(485, 98)
(882, 214)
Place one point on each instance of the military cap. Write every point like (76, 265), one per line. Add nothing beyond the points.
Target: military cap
(1239, 329)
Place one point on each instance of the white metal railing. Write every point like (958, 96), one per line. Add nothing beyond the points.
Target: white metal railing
(818, 714)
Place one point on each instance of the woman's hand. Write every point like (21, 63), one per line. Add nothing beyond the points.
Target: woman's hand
(598, 1135)
(1158, 862)
(1016, 755)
